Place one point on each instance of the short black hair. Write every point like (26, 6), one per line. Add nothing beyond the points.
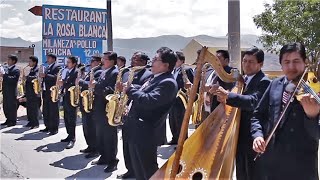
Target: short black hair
(144, 57)
(111, 56)
(293, 47)
(123, 59)
(180, 56)
(34, 59)
(73, 59)
(224, 53)
(167, 56)
(52, 55)
(258, 53)
(13, 57)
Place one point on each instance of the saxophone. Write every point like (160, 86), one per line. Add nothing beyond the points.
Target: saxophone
(87, 95)
(198, 104)
(22, 82)
(55, 90)
(75, 90)
(181, 94)
(117, 102)
(37, 82)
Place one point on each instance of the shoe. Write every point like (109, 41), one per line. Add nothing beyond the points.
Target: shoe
(65, 140)
(110, 168)
(172, 142)
(91, 155)
(28, 125)
(4, 124)
(53, 133)
(70, 145)
(87, 150)
(44, 130)
(34, 127)
(98, 162)
(11, 124)
(126, 175)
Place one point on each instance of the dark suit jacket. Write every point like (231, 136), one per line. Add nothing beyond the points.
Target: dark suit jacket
(148, 108)
(139, 78)
(68, 82)
(105, 85)
(84, 83)
(179, 78)
(10, 82)
(248, 101)
(293, 151)
(29, 85)
(51, 76)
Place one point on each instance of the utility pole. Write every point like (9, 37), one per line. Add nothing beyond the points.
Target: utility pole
(234, 33)
(109, 27)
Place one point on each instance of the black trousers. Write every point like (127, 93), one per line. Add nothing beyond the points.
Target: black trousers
(144, 159)
(107, 137)
(10, 107)
(176, 115)
(126, 153)
(33, 110)
(89, 130)
(70, 118)
(50, 112)
(245, 165)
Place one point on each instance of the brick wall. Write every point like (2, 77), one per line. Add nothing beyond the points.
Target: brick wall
(23, 53)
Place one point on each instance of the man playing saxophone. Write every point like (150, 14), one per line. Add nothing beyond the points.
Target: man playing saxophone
(88, 125)
(33, 99)
(69, 111)
(50, 109)
(140, 77)
(107, 137)
(9, 91)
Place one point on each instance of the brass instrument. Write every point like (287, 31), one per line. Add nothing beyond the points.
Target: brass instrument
(87, 95)
(198, 104)
(38, 81)
(22, 82)
(209, 153)
(55, 90)
(75, 90)
(117, 102)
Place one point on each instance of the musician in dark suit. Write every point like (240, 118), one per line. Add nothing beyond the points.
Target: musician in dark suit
(107, 137)
(292, 152)
(69, 112)
(9, 91)
(88, 123)
(256, 84)
(176, 114)
(149, 103)
(140, 77)
(33, 99)
(121, 62)
(50, 109)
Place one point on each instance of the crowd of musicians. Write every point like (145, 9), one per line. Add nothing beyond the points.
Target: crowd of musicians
(292, 152)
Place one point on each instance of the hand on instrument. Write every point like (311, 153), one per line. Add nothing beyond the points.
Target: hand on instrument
(187, 85)
(220, 92)
(310, 105)
(207, 100)
(259, 145)
(119, 86)
(42, 75)
(92, 84)
(60, 83)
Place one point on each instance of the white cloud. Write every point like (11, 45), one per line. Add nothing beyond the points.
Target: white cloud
(2, 6)
(144, 18)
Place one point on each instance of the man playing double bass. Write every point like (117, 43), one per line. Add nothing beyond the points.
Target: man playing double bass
(256, 84)
(292, 152)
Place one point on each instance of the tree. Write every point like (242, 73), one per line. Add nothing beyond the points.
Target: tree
(291, 21)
